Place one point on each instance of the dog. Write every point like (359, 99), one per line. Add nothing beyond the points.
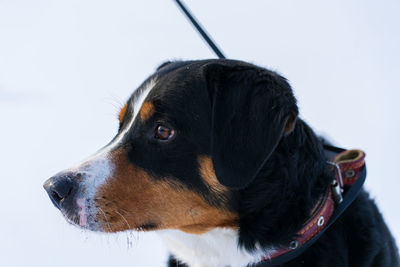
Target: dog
(212, 155)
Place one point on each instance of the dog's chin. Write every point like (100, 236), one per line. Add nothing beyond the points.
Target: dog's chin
(87, 221)
(84, 213)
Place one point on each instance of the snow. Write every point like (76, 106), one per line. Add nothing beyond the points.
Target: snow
(66, 67)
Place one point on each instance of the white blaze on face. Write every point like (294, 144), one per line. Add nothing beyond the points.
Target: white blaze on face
(137, 105)
(95, 170)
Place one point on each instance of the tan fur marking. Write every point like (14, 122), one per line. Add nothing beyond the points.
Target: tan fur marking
(290, 123)
(122, 113)
(147, 110)
(132, 198)
(207, 173)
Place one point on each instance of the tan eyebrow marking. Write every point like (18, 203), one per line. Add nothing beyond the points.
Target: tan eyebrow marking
(122, 113)
(147, 110)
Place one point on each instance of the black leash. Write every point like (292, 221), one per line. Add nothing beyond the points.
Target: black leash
(205, 36)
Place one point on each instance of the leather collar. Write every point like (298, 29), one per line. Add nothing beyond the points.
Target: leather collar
(350, 173)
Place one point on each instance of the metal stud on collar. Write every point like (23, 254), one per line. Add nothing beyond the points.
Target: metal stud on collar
(349, 173)
(293, 244)
(321, 221)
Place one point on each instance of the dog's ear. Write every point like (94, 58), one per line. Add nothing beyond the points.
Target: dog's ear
(252, 108)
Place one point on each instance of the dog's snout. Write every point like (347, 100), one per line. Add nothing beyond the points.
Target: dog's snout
(60, 188)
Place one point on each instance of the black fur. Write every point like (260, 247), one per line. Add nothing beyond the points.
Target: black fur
(243, 117)
(250, 110)
(172, 262)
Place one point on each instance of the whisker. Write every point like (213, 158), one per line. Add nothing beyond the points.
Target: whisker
(124, 211)
(105, 217)
(123, 217)
(129, 235)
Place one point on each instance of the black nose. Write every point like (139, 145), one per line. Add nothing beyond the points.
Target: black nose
(60, 188)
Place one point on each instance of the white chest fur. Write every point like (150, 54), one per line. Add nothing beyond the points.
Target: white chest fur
(216, 248)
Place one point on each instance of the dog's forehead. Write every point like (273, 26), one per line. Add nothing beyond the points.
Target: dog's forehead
(177, 89)
(169, 87)
(181, 76)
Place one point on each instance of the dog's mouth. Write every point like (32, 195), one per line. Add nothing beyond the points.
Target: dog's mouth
(82, 212)
(78, 214)
(92, 213)
(90, 216)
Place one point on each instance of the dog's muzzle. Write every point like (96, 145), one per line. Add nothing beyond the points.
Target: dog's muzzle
(65, 191)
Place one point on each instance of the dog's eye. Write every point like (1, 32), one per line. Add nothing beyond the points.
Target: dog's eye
(164, 133)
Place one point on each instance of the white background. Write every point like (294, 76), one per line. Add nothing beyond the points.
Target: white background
(66, 67)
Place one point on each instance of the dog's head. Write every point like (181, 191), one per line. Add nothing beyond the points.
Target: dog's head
(190, 138)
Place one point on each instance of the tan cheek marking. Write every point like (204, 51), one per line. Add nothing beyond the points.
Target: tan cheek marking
(207, 173)
(132, 198)
(122, 113)
(147, 110)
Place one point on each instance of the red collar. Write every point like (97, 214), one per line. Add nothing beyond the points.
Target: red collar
(348, 165)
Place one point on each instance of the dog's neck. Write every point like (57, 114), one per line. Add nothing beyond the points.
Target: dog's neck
(273, 208)
(218, 247)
